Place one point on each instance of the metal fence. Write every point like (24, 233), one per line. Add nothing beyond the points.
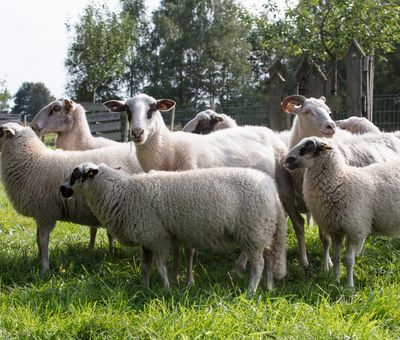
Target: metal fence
(386, 114)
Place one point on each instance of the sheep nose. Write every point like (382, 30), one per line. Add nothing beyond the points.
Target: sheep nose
(290, 162)
(331, 126)
(66, 192)
(137, 132)
(35, 127)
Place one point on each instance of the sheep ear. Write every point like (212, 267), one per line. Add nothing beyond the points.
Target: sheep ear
(9, 131)
(115, 105)
(322, 146)
(165, 104)
(69, 105)
(216, 118)
(323, 99)
(90, 172)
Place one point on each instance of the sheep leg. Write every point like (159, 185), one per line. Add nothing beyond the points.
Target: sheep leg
(147, 259)
(256, 260)
(42, 237)
(93, 233)
(352, 246)
(287, 194)
(189, 266)
(326, 242)
(240, 264)
(176, 253)
(111, 244)
(268, 279)
(337, 240)
(161, 264)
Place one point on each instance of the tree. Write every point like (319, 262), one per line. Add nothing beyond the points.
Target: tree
(136, 64)
(199, 51)
(30, 98)
(325, 28)
(96, 55)
(5, 96)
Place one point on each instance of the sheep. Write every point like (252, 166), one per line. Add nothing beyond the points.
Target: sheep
(313, 119)
(208, 121)
(347, 201)
(157, 148)
(210, 209)
(356, 124)
(32, 174)
(68, 120)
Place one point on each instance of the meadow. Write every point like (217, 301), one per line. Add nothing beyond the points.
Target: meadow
(91, 294)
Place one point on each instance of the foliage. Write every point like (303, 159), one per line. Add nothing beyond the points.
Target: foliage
(30, 98)
(136, 64)
(89, 294)
(199, 50)
(96, 53)
(5, 96)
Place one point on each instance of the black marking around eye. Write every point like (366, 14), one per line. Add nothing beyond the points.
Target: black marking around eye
(153, 108)
(76, 175)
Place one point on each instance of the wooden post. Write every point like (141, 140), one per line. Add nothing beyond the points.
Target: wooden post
(354, 70)
(368, 85)
(172, 119)
(316, 81)
(301, 76)
(278, 120)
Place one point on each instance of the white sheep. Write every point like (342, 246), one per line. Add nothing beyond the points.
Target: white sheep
(313, 119)
(356, 124)
(68, 120)
(208, 121)
(32, 174)
(211, 209)
(158, 148)
(347, 202)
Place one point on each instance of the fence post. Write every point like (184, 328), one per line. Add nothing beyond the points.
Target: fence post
(368, 77)
(274, 94)
(172, 119)
(354, 70)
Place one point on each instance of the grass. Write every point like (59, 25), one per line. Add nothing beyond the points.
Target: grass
(90, 294)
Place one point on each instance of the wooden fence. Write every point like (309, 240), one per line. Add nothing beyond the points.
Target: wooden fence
(346, 96)
(107, 124)
(7, 118)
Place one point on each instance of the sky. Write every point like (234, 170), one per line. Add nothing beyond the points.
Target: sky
(34, 39)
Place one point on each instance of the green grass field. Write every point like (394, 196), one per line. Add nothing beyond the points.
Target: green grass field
(90, 294)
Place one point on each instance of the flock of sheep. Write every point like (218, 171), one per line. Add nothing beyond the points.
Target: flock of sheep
(213, 186)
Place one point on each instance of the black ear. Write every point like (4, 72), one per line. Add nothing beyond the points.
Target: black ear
(115, 105)
(90, 172)
(309, 147)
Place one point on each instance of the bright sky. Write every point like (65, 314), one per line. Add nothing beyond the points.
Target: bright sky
(34, 39)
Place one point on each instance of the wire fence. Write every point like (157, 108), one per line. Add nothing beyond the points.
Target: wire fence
(386, 114)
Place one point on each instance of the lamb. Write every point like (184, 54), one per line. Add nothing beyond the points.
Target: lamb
(208, 121)
(68, 120)
(347, 202)
(32, 174)
(157, 148)
(356, 124)
(211, 209)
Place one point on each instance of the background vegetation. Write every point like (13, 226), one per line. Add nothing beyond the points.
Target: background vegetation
(202, 53)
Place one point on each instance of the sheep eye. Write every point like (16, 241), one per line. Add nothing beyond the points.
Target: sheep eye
(56, 108)
(153, 108)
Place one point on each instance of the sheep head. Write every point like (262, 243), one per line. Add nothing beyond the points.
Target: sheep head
(78, 176)
(304, 153)
(55, 117)
(142, 112)
(312, 115)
